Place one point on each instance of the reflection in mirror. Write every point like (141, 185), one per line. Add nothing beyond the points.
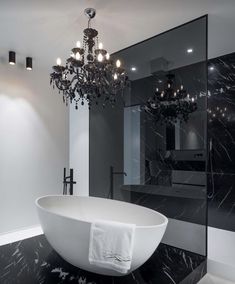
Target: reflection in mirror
(164, 139)
(164, 160)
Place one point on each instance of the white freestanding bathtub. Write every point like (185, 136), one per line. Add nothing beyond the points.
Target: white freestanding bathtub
(66, 222)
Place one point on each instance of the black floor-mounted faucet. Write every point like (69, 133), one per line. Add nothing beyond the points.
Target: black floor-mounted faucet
(68, 180)
(112, 173)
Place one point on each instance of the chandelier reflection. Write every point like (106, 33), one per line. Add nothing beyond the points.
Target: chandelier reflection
(89, 73)
(217, 113)
(171, 104)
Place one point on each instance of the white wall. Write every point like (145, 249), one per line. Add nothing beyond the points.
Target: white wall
(79, 148)
(33, 143)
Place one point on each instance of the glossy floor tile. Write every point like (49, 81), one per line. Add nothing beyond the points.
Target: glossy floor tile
(33, 261)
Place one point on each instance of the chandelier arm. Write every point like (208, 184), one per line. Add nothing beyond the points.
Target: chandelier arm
(74, 78)
(61, 87)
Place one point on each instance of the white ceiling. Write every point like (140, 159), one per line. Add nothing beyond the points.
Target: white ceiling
(46, 29)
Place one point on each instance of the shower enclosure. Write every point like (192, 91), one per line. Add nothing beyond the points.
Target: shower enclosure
(165, 162)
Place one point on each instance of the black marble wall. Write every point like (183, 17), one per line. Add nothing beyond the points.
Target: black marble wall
(184, 201)
(221, 140)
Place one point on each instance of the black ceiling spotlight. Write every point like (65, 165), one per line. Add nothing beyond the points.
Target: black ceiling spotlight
(29, 63)
(12, 57)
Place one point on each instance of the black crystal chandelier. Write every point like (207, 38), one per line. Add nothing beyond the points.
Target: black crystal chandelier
(89, 73)
(171, 104)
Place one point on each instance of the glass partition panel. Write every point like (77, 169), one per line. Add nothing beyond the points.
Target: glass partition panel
(162, 154)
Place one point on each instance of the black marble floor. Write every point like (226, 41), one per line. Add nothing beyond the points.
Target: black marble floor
(33, 261)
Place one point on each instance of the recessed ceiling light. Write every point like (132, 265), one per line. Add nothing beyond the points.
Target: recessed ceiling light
(190, 50)
(212, 68)
(133, 68)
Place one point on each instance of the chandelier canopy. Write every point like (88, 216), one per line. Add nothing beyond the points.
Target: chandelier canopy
(171, 104)
(89, 73)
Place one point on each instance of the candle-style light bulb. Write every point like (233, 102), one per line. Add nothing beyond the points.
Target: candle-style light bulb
(181, 87)
(174, 94)
(192, 99)
(100, 57)
(118, 63)
(115, 76)
(107, 56)
(58, 61)
(157, 89)
(78, 44)
(77, 56)
(100, 45)
(169, 85)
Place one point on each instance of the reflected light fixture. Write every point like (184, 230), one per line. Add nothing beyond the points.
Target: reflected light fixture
(219, 113)
(89, 74)
(12, 57)
(133, 68)
(189, 50)
(171, 103)
(29, 63)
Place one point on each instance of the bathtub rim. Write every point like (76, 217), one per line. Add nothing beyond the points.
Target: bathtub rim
(163, 224)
